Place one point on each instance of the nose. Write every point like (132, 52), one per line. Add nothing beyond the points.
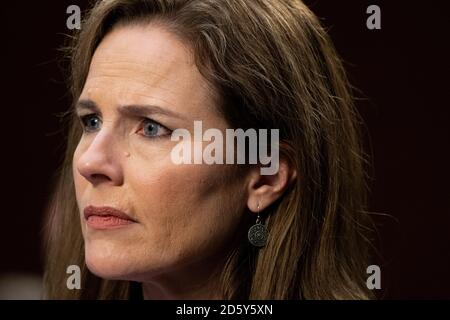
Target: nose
(99, 163)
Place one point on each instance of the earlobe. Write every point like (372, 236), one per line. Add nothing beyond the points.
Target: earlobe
(263, 190)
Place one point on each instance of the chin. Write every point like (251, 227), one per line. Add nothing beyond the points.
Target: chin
(117, 263)
(105, 268)
(108, 263)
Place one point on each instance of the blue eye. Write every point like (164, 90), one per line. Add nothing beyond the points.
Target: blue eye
(151, 128)
(91, 122)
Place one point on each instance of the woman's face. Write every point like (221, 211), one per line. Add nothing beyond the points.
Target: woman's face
(142, 84)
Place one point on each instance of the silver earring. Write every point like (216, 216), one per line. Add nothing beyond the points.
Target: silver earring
(258, 234)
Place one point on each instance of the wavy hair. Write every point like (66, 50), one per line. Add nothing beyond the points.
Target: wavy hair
(273, 66)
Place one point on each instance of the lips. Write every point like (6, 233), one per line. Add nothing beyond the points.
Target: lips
(106, 218)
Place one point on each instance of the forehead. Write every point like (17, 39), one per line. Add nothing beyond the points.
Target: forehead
(146, 62)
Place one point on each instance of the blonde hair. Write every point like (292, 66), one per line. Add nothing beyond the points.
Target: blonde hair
(273, 66)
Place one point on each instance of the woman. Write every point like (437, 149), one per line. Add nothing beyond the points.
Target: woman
(141, 225)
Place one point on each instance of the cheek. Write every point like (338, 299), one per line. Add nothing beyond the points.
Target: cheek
(79, 181)
(183, 187)
(75, 174)
(80, 184)
(187, 206)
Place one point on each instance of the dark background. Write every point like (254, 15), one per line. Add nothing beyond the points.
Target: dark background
(401, 71)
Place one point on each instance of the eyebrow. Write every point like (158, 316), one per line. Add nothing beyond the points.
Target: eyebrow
(86, 104)
(130, 110)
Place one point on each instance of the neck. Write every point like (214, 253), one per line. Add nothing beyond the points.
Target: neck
(177, 291)
(193, 283)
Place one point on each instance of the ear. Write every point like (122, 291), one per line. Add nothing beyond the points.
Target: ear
(263, 190)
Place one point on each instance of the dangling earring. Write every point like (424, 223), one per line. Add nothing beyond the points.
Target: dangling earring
(257, 234)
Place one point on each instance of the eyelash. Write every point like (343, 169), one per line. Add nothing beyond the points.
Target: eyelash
(85, 118)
